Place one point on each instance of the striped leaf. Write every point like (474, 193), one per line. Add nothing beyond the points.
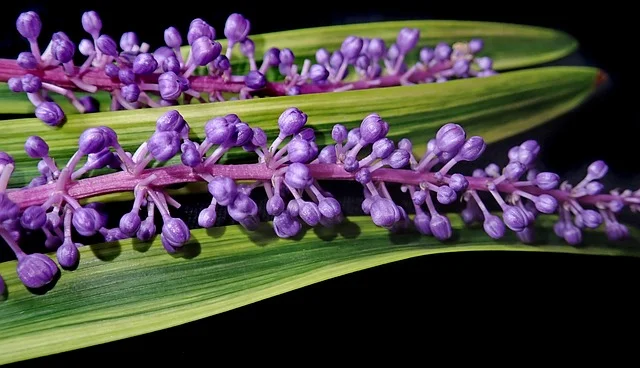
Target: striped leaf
(495, 108)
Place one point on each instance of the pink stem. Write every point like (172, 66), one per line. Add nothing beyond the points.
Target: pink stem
(179, 174)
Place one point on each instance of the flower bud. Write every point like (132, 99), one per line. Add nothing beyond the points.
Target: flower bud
(450, 137)
(36, 147)
(376, 48)
(68, 255)
(199, 28)
(204, 50)
(291, 121)
(546, 204)
(190, 155)
(441, 227)
(15, 84)
(128, 41)
(172, 37)
(91, 23)
(164, 145)
(446, 195)
(26, 60)
(130, 92)
(85, 220)
(218, 130)
(422, 223)
(363, 176)
(384, 212)
(147, 230)
(31, 83)
(382, 148)
(484, 63)
(351, 47)
(407, 39)
(33, 218)
(144, 63)
(242, 207)
(107, 45)
(309, 213)
(597, 170)
(112, 71)
(336, 59)
(236, 28)
(286, 57)
(130, 223)
(255, 80)
(514, 170)
(571, 234)
(176, 232)
(472, 149)
(494, 227)
(286, 226)
(329, 207)
(547, 180)
(318, 73)
(29, 25)
(393, 52)
(461, 67)
(298, 176)
(169, 86)
(594, 187)
(371, 128)
(50, 113)
(328, 155)
(36, 270)
(515, 218)
(442, 51)
(92, 140)
(223, 189)
(476, 45)
(458, 182)
(426, 55)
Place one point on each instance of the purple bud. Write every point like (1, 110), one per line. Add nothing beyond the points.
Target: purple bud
(128, 41)
(597, 170)
(398, 159)
(31, 83)
(242, 207)
(36, 270)
(514, 170)
(461, 67)
(329, 207)
(426, 55)
(127, 76)
(494, 227)
(616, 231)
(112, 71)
(222, 63)
(441, 227)
(515, 218)
(272, 56)
(223, 189)
(393, 52)
(376, 48)
(371, 128)
(458, 182)
(172, 37)
(322, 56)
(248, 47)
(442, 51)
(91, 23)
(84, 221)
(244, 132)
(291, 121)
(446, 195)
(107, 45)
(204, 50)
(218, 130)
(591, 219)
(33, 218)
(450, 138)
(422, 223)
(472, 149)
(286, 226)
(363, 176)
(164, 145)
(351, 47)
(293, 208)
(175, 232)
(298, 176)
(287, 57)
(68, 255)
(50, 113)
(255, 80)
(170, 121)
(130, 92)
(309, 212)
(328, 155)
(199, 28)
(594, 187)
(476, 45)
(259, 138)
(275, 205)
(207, 217)
(382, 148)
(190, 155)
(236, 28)
(36, 147)
(547, 180)
(147, 230)
(484, 63)
(92, 140)
(169, 86)
(318, 73)
(350, 164)
(144, 64)
(419, 197)
(29, 25)
(26, 60)
(572, 234)
(407, 39)
(299, 150)
(339, 133)
(130, 223)
(384, 212)
(546, 204)
(15, 84)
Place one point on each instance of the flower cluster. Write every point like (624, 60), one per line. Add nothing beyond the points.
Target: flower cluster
(137, 77)
(290, 170)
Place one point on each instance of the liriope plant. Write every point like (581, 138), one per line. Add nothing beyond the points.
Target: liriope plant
(134, 76)
(405, 145)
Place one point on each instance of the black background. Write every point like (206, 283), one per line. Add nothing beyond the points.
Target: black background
(458, 296)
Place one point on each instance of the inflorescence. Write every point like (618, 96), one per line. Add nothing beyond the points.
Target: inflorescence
(136, 78)
(290, 170)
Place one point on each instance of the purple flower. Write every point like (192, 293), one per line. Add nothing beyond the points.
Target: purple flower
(199, 28)
(236, 28)
(407, 39)
(351, 47)
(207, 217)
(298, 176)
(204, 50)
(318, 73)
(175, 232)
(130, 92)
(169, 86)
(255, 80)
(450, 138)
(50, 113)
(31, 83)
(285, 225)
(68, 255)
(29, 25)
(26, 60)
(172, 37)
(441, 227)
(91, 23)
(36, 270)
(128, 41)
(476, 45)
(107, 45)
(130, 223)
(144, 64)
(33, 217)
(164, 145)
(376, 48)
(291, 121)
(36, 147)
(223, 189)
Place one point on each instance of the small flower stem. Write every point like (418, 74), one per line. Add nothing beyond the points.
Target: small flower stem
(6, 235)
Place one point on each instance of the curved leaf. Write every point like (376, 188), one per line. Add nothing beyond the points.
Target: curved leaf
(495, 107)
(510, 45)
(129, 288)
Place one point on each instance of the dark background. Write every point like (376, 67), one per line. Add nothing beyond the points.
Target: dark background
(456, 296)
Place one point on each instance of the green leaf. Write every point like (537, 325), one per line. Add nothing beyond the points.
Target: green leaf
(511, 46)
(495, 108)
(128, 288)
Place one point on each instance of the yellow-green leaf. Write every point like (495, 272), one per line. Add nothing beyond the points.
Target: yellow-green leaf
(125, 289)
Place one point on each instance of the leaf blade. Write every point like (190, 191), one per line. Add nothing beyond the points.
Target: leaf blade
(139, 292)
(495, 107)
